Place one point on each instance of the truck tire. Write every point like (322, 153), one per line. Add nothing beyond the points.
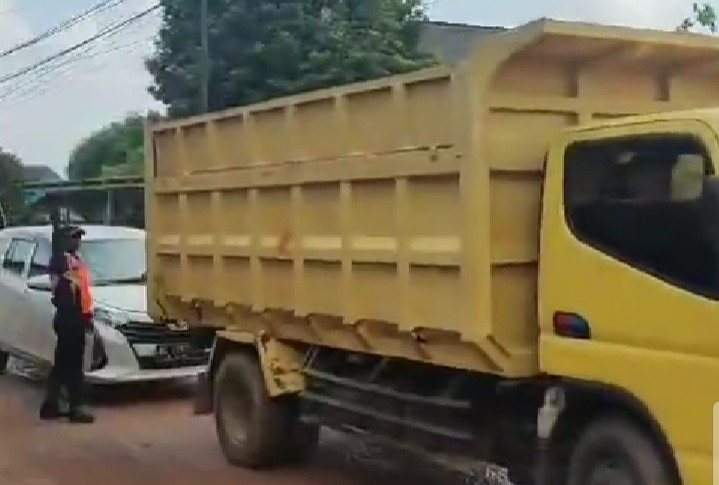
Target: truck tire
(254, 430)
(613, 451)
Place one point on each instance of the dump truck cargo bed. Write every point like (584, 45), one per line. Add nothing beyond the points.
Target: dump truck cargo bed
(397, 216)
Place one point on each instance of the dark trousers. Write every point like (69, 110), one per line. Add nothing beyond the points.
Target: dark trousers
(67, 370)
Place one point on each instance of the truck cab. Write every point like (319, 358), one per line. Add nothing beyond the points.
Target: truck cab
(629, 272)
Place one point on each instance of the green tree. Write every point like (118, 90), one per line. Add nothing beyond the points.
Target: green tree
(11, 195)
(261, 49)
(117, 149)
(703, 15)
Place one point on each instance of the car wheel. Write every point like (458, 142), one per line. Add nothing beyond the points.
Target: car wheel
(613, 451)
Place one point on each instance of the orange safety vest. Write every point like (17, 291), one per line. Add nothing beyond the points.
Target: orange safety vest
(78, 268)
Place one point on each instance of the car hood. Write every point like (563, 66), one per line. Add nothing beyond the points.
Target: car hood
(130, 298)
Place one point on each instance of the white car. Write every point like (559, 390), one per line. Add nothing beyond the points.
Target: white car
(128, 346)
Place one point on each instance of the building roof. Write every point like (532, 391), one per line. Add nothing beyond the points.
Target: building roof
(451, 42)
(39, 173)
(92, 232)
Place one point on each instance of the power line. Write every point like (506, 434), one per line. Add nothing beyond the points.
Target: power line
(104, 33)
(51, 73)
(44, 72)
(60, 75)
(62, 26)
(48, 73)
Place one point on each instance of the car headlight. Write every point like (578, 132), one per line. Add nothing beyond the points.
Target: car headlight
(111, 316)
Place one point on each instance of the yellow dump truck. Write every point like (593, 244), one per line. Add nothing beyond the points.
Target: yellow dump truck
(515, 261)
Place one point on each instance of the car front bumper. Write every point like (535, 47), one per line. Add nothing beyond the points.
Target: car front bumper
(120, 375)
(126, 365)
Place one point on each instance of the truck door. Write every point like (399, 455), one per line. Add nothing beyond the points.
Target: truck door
(629, 274)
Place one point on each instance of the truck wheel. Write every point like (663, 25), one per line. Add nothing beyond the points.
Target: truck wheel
(612, 451)
(253, 429)
(4, 359)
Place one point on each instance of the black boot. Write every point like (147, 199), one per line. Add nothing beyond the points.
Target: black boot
(80, 416)
(50, 410)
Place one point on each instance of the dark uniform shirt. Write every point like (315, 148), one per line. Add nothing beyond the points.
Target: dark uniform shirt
(66, 295)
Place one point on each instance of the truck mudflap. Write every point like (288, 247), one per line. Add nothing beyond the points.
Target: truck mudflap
(203, 401)
(203, 404)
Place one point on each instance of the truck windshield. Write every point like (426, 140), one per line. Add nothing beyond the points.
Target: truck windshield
(115, 261)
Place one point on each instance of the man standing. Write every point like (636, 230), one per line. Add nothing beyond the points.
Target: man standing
(70, 281)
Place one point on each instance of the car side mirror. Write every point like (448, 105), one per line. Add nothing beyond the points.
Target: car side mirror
(39, 283)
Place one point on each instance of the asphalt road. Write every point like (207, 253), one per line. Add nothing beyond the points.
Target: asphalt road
(148, 435)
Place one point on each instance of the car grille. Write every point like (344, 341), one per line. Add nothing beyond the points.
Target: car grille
(176, 348)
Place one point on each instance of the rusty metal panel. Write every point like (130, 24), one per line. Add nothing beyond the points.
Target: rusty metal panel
(398, 216)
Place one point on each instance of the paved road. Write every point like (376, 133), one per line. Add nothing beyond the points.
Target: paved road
(148, 436)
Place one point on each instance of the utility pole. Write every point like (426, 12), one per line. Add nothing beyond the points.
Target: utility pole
(3, 220)
(204, 58)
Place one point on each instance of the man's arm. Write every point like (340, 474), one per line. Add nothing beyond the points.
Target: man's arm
(64, 296)
(58, 267)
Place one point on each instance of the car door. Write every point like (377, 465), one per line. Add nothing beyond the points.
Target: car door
(37, 334)
(13, 284)
(4, 292)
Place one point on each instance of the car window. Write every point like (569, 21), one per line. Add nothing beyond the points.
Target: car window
(18, 255)
(40, 260)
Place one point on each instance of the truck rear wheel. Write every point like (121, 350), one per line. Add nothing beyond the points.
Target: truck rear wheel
(254, 430)
(612, 451)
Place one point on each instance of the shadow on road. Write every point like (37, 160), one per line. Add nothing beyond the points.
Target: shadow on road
(122, 395)
(377, 463)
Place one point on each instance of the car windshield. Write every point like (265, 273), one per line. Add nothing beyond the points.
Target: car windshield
(115, 261)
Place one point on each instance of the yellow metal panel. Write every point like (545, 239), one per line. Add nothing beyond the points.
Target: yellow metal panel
(398, 216)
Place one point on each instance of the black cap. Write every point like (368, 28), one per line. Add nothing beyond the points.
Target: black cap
(75, 231)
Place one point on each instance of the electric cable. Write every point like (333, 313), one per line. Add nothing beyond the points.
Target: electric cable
(62, 26)
(111, 30)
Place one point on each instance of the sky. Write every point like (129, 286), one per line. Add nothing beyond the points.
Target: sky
(44, 115)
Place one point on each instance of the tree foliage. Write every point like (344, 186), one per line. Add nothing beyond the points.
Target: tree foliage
(261, 49)
(11, 178)
(703, 15)
(117, 149)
